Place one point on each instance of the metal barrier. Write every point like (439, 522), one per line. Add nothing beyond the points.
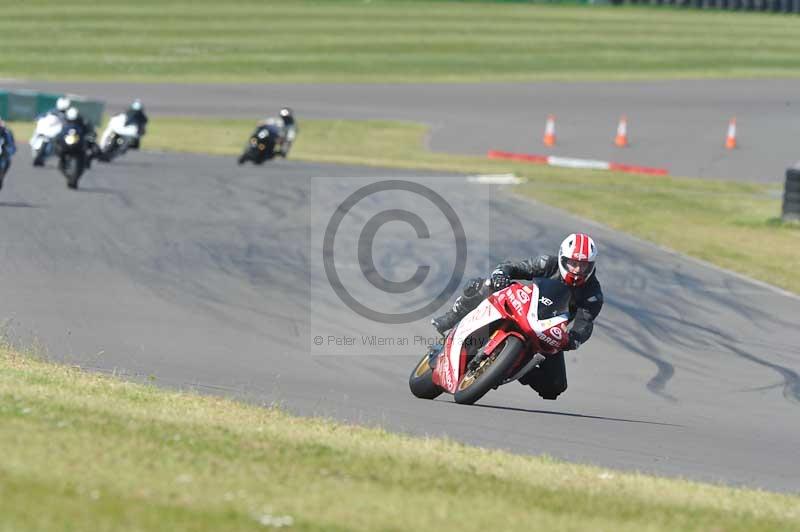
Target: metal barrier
(774, 6)
(791, 194)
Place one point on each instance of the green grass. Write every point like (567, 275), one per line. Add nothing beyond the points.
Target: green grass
(698, 217)
(386, 41)
(87, 452)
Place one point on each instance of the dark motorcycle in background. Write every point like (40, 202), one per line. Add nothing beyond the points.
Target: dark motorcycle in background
(71, 149)
(264, 144)
(5, 159)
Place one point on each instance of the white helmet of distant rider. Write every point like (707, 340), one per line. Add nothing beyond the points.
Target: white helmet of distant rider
(287, 116)
(576, 259)
(137, 105)
(72, 114)
(63, 103)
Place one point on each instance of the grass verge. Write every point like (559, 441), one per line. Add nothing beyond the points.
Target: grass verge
(88, 452)
(698, 217)
(387, 41)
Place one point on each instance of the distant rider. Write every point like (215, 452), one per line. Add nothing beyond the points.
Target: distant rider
(135, 116)
(60, 110)
(290, 131)
(73, 119)
(9, 149)
(574, 266)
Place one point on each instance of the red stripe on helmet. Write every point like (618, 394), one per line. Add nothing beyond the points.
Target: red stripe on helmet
(577, 247)
(585, 249)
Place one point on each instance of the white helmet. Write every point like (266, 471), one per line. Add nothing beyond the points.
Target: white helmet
(576, 259)
(63, 103)
(136, 105)
(72, 114)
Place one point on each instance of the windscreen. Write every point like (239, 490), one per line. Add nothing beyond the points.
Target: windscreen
(554, 298)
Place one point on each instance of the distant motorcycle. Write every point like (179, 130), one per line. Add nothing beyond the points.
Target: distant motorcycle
(71, 148)
(118, 138)
(92, 148)
(42, 143)
(264, 144)
(509, 334)
(5, 159)
(290, 133)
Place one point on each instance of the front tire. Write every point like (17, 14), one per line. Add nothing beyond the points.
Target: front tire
(72, 167)
(477, 383)
(421, 381)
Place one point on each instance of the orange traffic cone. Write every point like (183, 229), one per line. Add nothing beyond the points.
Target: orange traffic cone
(621, 139)
(730, 140)
(550, 131)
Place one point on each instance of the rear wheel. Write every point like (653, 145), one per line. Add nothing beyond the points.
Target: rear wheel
(489, 373)
(421, 381)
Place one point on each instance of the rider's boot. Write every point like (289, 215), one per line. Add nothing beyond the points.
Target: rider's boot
(445, 322)
(463, 305)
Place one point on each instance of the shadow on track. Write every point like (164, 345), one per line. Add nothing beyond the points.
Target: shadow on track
(570, 414)
(18, 204)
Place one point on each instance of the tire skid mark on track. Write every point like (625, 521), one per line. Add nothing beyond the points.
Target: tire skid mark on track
(791, 379)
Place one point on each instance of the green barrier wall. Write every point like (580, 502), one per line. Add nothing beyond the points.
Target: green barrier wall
(21, 105)
(27, 105)
(45, 102)
(92, 111)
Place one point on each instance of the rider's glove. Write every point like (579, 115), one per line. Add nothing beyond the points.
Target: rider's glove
(500, 280)
(572, 345)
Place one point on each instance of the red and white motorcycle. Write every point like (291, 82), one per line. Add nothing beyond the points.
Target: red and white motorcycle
(510, 333)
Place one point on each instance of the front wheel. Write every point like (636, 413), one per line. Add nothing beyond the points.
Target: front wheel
(38, 158)
(72, 168)
(421, 381)
(490, 373)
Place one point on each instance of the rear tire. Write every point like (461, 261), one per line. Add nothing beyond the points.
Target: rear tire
(490, 376)
(421, 381)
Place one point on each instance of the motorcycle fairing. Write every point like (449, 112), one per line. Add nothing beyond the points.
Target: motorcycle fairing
(451, 362)
(552, 332)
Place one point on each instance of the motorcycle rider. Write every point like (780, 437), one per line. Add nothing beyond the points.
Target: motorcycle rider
(9, 148)
(60, 110)
(135, 116)
(574, 266)
(48, 127)
(73, 119)
(289, 129)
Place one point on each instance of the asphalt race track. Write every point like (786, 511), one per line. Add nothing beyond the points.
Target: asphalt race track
(680, 125)
(206, 275)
